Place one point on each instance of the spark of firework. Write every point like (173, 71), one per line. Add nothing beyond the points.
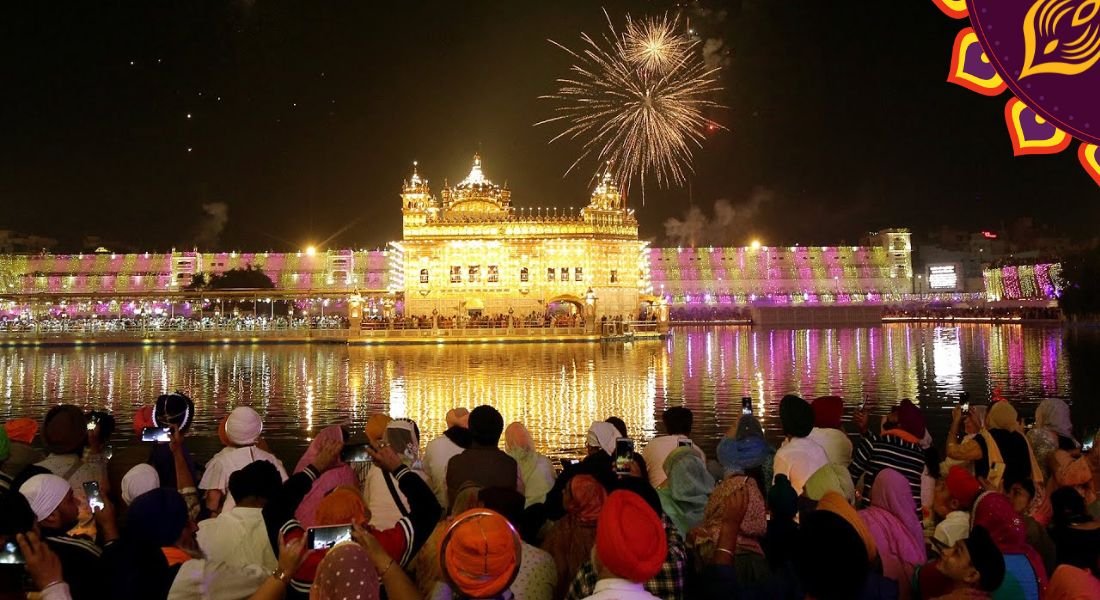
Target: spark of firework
(645, 121)
(654, 44)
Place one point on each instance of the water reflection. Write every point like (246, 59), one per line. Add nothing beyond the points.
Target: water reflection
(556, 389)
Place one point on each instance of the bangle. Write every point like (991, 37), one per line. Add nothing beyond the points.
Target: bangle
(386, 570)
(725, 550)
(51, 584)
(281, 575)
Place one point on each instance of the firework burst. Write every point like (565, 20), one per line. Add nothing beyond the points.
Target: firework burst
(637, 100)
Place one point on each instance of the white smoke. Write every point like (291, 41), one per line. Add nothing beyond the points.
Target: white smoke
(728, 225)
(212, 225)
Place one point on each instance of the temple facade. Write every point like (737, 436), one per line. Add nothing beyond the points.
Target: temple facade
(469, 251)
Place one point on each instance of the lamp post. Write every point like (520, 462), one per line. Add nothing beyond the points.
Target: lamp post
(590, 306)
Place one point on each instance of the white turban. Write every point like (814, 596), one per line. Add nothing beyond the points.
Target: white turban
(243, 427)
(137, 481)
(602, 435)
(44, 493)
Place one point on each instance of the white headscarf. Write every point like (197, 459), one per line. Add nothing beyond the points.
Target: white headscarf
(1053, 414)
(44, 493)
(138, 480)
(244, 425)
(602, 435)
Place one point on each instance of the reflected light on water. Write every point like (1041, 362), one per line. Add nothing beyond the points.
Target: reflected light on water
(557, 390)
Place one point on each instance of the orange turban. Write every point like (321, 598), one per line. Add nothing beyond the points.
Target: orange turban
(342, 505)
(836, 504)
(222, 435)
(143, 418)
(480, 553)
(630, 538)
(585, 499)
(376, 428)
(21, 430)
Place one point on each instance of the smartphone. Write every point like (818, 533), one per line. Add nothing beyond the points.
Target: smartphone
(862, 406)
(156, 434)
(1087, 445)
(93, 422)
(624, 455)
(91, 491)
(402, 442)
(10, 554)
(682, 443)
(320, 538)
(746, 405)
(965, 408)
(355, 453)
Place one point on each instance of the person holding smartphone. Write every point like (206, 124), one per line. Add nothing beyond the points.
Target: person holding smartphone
(57, 510)
(678, 421)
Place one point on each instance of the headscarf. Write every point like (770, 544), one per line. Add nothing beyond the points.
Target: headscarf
(1072, 583)
(340, 474)
(979, 413)
(892, 521)
(830, 478)
(44, 493)
(753, 525)
(630, 538)
(458, 417)
(1008, 530)
(782, 532)
(139, 480)
(376, 427)
(748, 450)
(346, 569)
(480, 553)
(157, 517)
(828, 411)
(962, 485)
(836, 504)
(519, 445)
(782, 499)
(585, 499)
(244, 426)
(21, 429)
(796, 416)
(602, 435)
(910, 419)
(684, 496)
(1053, 415)
(401, 434)
(222, 435)
(174, 409)
(342, 505)
(1002, 415)
(64, 430)
(143, 417)
(5, 445)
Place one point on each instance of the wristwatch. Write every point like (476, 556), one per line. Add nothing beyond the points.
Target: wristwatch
(281, 575)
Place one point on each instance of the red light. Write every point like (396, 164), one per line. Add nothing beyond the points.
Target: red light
(989, 235)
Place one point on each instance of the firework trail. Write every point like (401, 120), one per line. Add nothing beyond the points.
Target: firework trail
(637, 101)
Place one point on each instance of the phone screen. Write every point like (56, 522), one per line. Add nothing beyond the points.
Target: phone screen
(684, 443)
(91, 491)
(746, 405)
(401, 440)
(355, 453)
(966, 408)
(624, 454)
(92, 422)
(156, 434)
(10, 554)
(320, 538)
(1087, 445)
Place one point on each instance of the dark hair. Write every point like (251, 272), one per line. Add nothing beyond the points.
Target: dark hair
(932, 462)
(258, 479)
(619, 424)
(174, 409)
(27, 472)
(106, 423)
(986, 558)
(1067, 444)
(509, 503)
(840, 572)
(1068, 507)
(486, 425)
(1024, 482)
(678, 420)
(16, 515)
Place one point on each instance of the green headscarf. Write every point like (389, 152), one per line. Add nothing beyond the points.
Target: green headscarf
(685, 493)
(830, 478)
(5, 445)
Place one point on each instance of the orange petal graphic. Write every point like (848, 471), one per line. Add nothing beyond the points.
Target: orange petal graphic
(1089, 155)
(956, 9)
(970, 67)
(1031, 133)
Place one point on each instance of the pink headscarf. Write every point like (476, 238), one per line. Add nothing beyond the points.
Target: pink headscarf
(892, 519)
(1007, 528)
(339, 475)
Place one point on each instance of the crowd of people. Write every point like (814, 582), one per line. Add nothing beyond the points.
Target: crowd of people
(945, 313)
(997, 510)
(115, 324)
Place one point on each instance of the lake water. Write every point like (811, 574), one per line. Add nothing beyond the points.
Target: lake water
(557, 390)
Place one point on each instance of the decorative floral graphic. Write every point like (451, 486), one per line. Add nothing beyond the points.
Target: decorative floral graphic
(1061, 37)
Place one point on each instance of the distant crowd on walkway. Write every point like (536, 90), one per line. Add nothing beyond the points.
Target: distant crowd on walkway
(115, 324)
(997, 510)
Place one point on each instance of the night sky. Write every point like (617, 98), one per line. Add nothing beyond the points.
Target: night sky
(306, 115)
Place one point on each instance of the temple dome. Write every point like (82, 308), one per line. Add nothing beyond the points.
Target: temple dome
(477, 193)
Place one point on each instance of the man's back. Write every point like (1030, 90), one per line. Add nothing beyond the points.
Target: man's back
(485, 467)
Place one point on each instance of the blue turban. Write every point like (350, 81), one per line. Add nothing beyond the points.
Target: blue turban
(740, 455)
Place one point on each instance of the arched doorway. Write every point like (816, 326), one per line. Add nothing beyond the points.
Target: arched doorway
(474, 307)
(565, 310)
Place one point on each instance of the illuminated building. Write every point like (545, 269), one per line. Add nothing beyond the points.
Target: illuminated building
(1042, 281)
(470, 251)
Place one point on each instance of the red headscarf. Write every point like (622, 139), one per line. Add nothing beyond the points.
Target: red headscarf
(827, 411)
(585, 499)
(630, 538)
(963, 486)
(143, 418)
(21, 430)
(1007, 528)
(910, 419)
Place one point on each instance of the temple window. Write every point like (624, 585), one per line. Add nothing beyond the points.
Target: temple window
(494, 274)
(614, 275)
(550, 274)
(523, 275)
(423, 276)
(456, 274)
(578, 274)
(565, 273)
(475, 273)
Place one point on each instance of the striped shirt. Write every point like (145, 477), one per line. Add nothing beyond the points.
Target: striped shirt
(874, 453)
